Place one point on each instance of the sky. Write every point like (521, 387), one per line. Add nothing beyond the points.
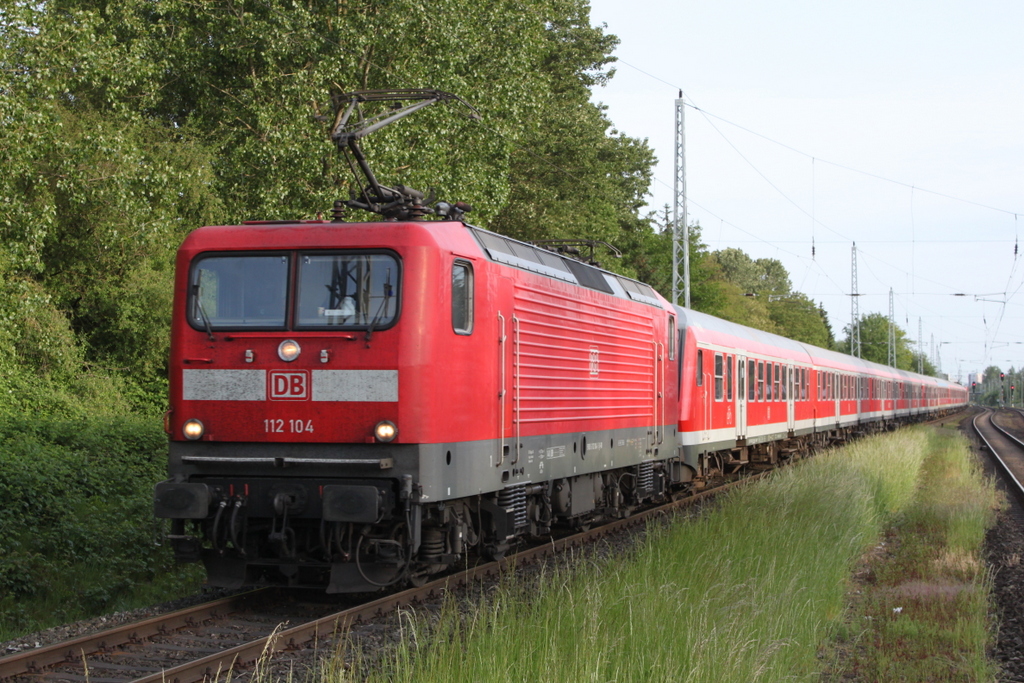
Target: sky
(895, 124)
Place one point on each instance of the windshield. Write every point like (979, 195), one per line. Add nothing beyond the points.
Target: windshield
(347, 290)
(239, 291)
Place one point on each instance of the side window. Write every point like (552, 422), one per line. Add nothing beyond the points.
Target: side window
(740, 377)
(700, 368)
(728, 378)
(672, 337)
(760, 380)
(785, 381)
(462, 297)
(778, 382)
(751, 381)
(718, 377)
(768, 381)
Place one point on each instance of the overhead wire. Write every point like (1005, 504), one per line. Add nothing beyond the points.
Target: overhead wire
(708, 115)
(812, 215)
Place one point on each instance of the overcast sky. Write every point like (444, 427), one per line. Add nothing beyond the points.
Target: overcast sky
(927, 94)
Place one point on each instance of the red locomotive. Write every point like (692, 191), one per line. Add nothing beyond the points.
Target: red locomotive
(361, 404)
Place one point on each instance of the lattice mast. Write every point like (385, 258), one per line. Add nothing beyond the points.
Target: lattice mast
(892, 332)
(854, 307)
(679, 201)
(920, 348)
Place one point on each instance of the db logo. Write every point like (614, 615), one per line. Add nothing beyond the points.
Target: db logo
(288, 385)
(595, 361)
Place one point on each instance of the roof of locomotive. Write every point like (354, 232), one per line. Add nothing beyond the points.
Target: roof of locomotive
(256, 235)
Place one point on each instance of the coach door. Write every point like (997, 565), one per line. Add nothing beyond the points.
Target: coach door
(741, 397)
(790, 405)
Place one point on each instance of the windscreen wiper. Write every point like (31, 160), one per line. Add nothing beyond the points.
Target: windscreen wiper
(388, 293)
(199, 306)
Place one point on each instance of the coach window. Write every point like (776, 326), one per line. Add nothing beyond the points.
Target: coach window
(718, 377)
(751, 381)
(462, 297)
(728, 378)
(671, 337)
(787, 381)
(741, 375)
(768, 381)
(760, 380)
(778, 382)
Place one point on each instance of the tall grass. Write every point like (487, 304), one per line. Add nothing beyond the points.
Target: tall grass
(925, 615)
(745, 592)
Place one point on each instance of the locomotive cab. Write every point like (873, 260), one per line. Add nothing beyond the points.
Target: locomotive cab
(293, 459)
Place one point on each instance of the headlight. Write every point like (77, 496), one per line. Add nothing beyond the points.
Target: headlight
(385, 431)
(193, 429)
(288, 350)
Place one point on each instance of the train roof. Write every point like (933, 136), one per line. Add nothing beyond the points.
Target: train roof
(795, 350)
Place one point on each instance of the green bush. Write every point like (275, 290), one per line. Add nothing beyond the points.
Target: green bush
(77, 532)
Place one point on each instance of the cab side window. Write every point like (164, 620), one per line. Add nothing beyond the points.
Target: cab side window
(672, 337)
(462, 297)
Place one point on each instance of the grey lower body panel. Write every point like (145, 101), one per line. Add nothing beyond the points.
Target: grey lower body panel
(444, 471)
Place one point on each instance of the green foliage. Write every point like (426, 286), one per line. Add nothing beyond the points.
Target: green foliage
(126, 124)
(76, 526)
(648, 255)
(757, 293)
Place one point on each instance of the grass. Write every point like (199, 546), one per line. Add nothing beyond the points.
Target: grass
(923, 613)
(746, 592)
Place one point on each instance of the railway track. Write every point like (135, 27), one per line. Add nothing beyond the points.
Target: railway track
(1007, 451)
(200, 642)
(1001, 439)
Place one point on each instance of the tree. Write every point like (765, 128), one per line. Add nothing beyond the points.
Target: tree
(126, 124)
(648, 254)
(874, 342)
(758, 293)
(797, 317)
